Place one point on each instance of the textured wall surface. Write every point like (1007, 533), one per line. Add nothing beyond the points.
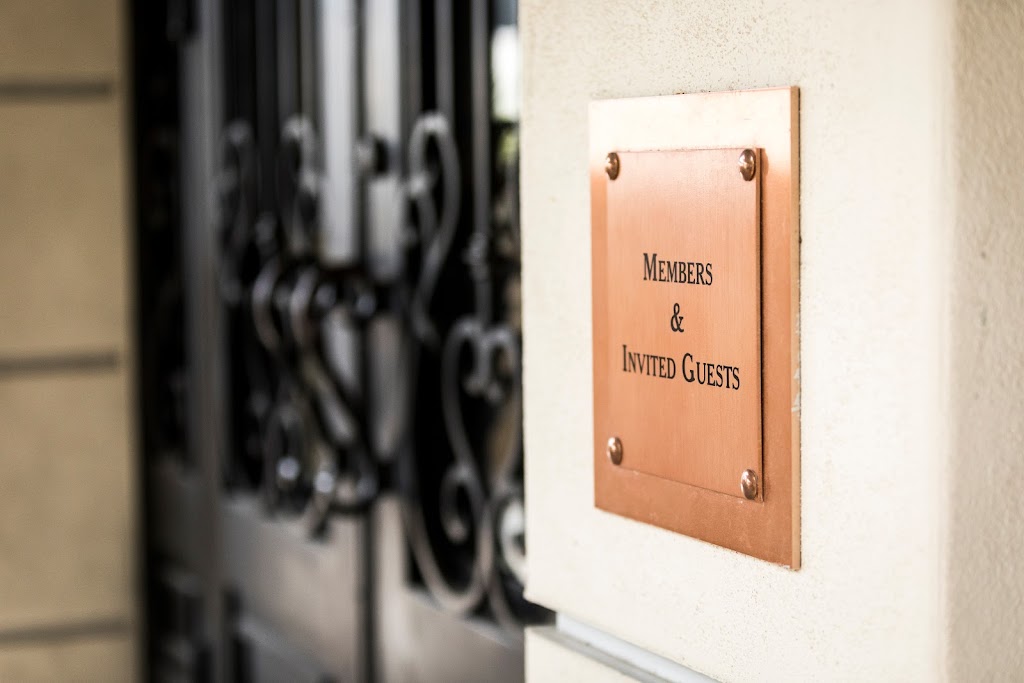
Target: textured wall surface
(985, 561)
(81, 660)
(67, 475)
(876, 127)
(59, 38)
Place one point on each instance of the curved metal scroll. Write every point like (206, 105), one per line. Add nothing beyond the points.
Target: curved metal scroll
(462, 502)
(311, 444)
(466, 537)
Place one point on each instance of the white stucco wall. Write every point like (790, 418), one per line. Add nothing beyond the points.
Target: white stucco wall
(901, 446)
(984, 556)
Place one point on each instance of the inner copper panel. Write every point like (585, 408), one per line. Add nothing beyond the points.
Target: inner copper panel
(683, 352)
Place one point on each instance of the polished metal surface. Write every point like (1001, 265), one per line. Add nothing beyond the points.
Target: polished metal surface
(748, 484)
(747, 164)
(615, 450)
(679, 296)
(611, 165)
(677, 371)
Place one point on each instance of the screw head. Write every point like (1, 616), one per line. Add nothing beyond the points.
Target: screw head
(611, 165)
(615, 450)
(747, 164)
(748, 484)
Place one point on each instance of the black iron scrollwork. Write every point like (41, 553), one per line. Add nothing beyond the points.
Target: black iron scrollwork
(459, 470)
(309, 425)
(436, 228)
(467, 535)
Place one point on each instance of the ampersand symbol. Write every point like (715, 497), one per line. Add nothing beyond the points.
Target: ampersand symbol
(677, 320)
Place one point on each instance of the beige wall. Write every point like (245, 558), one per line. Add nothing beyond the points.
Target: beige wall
(911, 307)
(984, 562)
(67, 530)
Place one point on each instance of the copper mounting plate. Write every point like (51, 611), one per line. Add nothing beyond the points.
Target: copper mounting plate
(679, 193)
(683, 312)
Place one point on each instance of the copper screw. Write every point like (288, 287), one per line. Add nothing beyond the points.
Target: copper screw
(747, 163)
(748, 484)
(611, 165)
(615, 450)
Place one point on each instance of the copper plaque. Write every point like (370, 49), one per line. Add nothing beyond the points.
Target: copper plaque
(684, 315)
(695, 244)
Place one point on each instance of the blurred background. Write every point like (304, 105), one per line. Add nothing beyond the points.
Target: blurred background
(260, 384)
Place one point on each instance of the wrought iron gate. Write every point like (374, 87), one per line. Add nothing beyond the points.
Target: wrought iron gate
(330, 339)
